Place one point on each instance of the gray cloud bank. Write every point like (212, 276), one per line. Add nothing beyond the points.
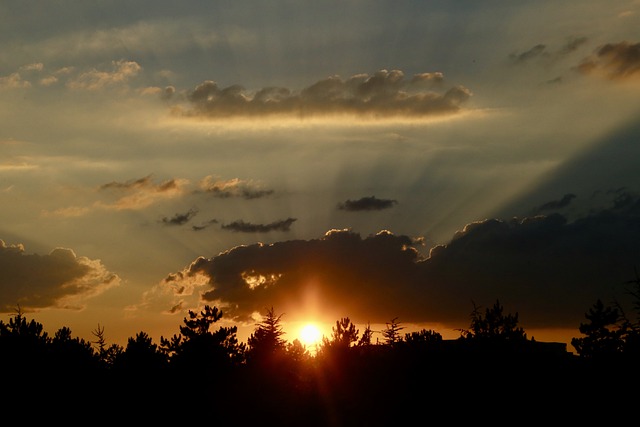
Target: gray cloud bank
(385, 93)
(59, 279)
(546, 268)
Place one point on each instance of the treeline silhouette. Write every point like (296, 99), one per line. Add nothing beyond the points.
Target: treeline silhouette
(350, 380)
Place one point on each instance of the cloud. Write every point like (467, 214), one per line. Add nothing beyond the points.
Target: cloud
(36, 66)
(121, 72)
(13, 81)
(557, 204)
(247, 227)
(60, 279)
(541, 52)
(572, 45)
(234, 187)
(204, 225)
(179, 218)
(546, 268)
(615, 61)
(385, 93)
(141, 193)
(535, 52)
(366, 204)
(132, 183)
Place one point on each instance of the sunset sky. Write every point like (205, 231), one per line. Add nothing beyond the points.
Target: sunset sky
(364, 159)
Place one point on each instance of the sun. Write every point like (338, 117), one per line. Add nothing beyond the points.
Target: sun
(310, 334)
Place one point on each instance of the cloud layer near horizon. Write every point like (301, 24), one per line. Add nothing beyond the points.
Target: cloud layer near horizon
(546, 268)
(383, 94)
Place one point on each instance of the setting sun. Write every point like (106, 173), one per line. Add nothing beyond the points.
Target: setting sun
(310, 334)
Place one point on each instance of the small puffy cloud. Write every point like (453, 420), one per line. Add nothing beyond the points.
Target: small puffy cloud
(247, 227)
(546, 268)
(37, 66)
(121, 72)
(60, 279)
(367, 204)
(141, 193)
(234, 187)
(33, 73)
(165, 93)
(615, 61)
(383, 94)
(179, 218)
(135, 194)
(48, 81)
(13, 81)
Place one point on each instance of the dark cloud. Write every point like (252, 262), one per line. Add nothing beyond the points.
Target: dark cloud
(179, 218)
(615, 61)
(535, 52)
(385, 93)
(572, 45)
(59, 279)
(366, 204)
(556, 204)
(245, 193)
(133, 183)
(204, 225)
(247, 227)
(145, 183)
(542, 52)
(546, 268)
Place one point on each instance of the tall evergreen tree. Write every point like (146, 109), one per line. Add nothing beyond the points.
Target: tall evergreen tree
(266, 341)
(392, 332)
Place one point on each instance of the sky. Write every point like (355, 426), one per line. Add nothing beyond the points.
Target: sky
(376, 160)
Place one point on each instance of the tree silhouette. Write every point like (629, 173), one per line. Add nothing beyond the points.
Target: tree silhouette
(392, 332)
(494, 325)
(367, 336)
(107, 353)
(603, 337)
(266, 342)
(197, 348)
(141, 355)
(343, 334)
(23, 344)
(631, 327)
(341, 385)
(424, 336)
(69, 353)
(297, 351)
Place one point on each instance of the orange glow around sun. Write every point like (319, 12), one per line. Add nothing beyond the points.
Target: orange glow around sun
(309, 334)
